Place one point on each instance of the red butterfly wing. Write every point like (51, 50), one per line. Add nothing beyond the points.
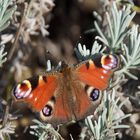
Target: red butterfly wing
(94, 76)
(97, 72)
(81, 89)
(71, 94)
(85, 104)
(45, 94)
(36, 91)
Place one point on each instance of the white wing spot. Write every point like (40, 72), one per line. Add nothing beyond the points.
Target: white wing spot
(105, 71)
(31, 95)
(102, 77)
(36, 99)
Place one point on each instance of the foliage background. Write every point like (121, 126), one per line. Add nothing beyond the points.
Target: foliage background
(32, 32)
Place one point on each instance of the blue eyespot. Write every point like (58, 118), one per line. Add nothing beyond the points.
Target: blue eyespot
(94, 95)
(47, 111)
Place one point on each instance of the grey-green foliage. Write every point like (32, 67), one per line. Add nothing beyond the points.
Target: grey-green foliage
(2, 55)
(118, 22)
(83, 53)
(108, 120)
(44, 131)
(5, 13)
(7, 130)
(131, 58)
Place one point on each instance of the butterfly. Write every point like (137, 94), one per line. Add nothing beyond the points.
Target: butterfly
(71, 93)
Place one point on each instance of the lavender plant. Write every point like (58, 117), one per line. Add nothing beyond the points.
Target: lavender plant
(131, 58)
(117, 29)
(44, 131)
(5, 14)
(7, 127)
(2, 55)
(109, 119)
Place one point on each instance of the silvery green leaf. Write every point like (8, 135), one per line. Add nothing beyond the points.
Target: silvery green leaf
(4, 26)
(5, 13)
(118, 22)
(103, 127)
(131, 57)
(83, 53)
(2, 55)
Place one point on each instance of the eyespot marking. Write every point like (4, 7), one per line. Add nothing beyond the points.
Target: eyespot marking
(94, 95)
(92, 92)
(22, 90)
(109, 62)
(47, 110)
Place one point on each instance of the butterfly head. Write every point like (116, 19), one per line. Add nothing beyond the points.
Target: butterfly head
(65, 69)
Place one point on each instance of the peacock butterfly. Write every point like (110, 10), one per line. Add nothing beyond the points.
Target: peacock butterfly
(68, 94)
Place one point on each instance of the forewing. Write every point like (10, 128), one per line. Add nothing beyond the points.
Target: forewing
(96, 72)
(93, 77)
(36, 91)
(46, 95)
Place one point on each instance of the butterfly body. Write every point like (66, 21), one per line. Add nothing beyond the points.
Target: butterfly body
(69, 94)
